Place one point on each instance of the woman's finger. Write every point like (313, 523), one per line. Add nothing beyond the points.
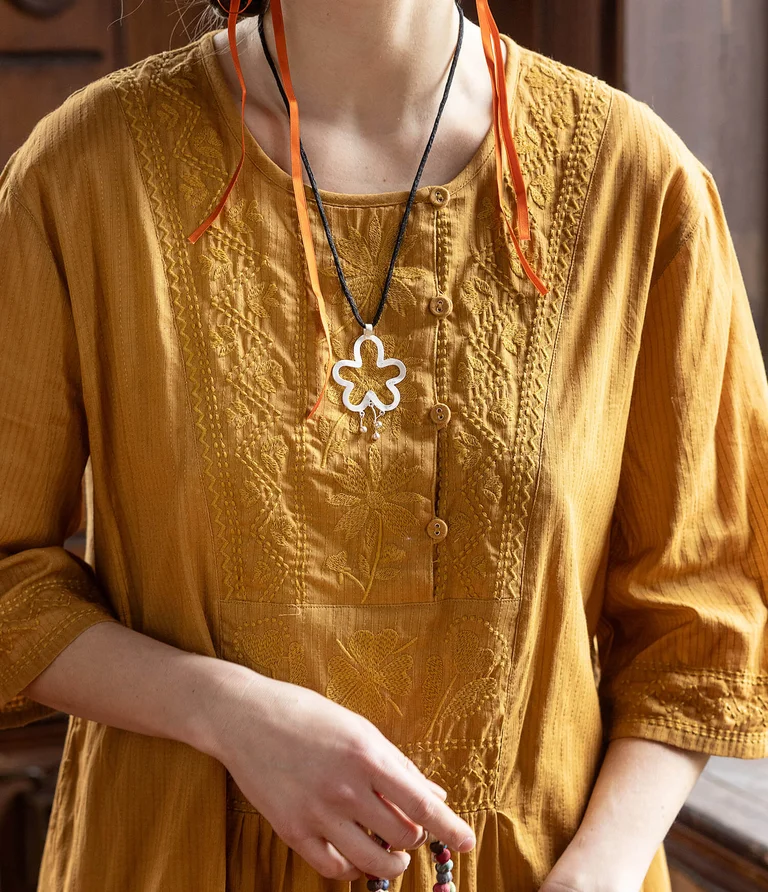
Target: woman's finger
(326, 859)
(378, 814)
(417, 801)
(353, 841)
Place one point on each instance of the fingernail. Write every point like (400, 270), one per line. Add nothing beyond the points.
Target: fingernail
(467, 843)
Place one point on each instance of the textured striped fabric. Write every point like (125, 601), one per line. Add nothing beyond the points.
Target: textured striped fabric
(598, 457)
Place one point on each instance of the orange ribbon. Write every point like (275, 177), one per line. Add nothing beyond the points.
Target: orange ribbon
(234, 12)
(502, 133)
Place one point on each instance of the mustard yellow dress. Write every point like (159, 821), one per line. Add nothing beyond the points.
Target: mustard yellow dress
(598, 457)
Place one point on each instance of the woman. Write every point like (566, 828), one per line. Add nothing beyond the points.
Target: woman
(512, 603)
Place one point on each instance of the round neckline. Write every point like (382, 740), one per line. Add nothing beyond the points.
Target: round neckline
(230, 111)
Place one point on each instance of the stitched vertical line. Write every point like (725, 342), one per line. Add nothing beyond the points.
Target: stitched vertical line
(443, 249)
(442, 389)
(301, 345)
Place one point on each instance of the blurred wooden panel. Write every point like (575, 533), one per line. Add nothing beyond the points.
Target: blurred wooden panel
(703, 66)
(585, 35)
(83, 25)
(45, 58)
(151, 26)
(720, 839)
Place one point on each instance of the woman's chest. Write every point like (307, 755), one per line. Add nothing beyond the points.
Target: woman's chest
(322, 509)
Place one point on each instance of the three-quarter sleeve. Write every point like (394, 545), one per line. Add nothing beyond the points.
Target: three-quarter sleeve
(48, 595)
(683, 643)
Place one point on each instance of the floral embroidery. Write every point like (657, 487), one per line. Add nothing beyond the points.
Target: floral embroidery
(242, 297)
(365, 262)
(265, 647)
(458, 684)
(461, 769)
(373, 671)
(737, 702)
(375, 502)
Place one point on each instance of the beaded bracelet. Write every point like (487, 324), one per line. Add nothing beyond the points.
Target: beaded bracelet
(441, 856)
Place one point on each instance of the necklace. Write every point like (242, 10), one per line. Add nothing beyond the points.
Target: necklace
(440, 852)
(370, 399)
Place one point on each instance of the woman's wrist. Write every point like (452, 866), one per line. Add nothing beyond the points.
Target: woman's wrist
(590, 869)
(216, 688)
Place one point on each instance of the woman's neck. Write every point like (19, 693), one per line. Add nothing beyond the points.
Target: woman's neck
(365, 63)
(368, 75)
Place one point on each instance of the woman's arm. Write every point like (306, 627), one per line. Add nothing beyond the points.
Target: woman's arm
(319, 772)
(114, 675)
(641, 787)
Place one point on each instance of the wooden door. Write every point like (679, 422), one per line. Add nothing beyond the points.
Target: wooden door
(49, 48)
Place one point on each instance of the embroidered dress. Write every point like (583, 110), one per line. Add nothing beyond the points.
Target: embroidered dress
(560, 538)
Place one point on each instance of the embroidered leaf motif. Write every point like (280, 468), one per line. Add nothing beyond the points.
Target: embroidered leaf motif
(208, 143)
(540, 189)
(492, 487)
(273, 451)
(338, 563)
(261, 297)
(193, 188)
(392, 554)
(365, 259)
(244, 214)
(216, 262)
(469, 450)
(264, 649)
(513, 336)
(469, 656)
(238, 414)
(465, 650)
(364, 564)
(372, 672)
(266, 373)
(282, 528)
(224, 339)
(477, 294)
(472, 696)
(501, 410)
(541, 78)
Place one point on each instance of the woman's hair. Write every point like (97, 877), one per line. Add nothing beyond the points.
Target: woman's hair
(256, 7)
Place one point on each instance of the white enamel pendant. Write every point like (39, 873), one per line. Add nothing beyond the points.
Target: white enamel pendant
(370, 400)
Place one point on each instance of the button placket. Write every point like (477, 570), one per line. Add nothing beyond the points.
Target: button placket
(441, 306)
(437, 529)
(439, 196)
(440, 414)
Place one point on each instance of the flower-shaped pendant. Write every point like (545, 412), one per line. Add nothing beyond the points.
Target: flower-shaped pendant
(370, 400)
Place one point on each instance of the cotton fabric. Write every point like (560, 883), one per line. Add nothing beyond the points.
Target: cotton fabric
(603, 472)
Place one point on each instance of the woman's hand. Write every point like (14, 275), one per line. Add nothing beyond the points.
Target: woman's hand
(321, 773)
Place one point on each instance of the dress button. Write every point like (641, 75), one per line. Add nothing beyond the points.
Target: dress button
(439, 196)
(437, 528)
(441, 305)
(440, 413)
